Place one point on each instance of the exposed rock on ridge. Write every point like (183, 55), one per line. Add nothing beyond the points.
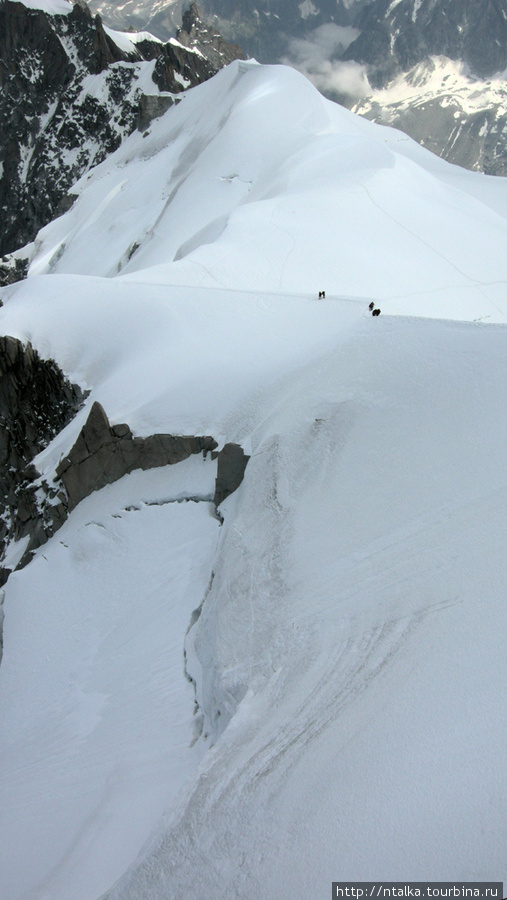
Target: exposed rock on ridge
(151, 107)
(12, 269)
(196, 35)
(103, 453)
(36, 402)
(232, 462)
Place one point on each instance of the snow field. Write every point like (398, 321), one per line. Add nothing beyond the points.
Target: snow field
(348, 656)
(96, 709)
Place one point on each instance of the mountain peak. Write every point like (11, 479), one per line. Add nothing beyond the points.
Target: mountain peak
(191, 18)
(195, 33)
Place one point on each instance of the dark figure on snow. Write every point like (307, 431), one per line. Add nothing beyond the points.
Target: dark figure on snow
(371, 306)
(322, 295)
(376, 312)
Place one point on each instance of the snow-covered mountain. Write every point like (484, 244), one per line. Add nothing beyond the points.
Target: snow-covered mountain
(72, 90)
(304, 682)
(433, 68)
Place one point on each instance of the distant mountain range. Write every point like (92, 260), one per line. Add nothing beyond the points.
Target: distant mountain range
(264, 29)
(432, 68)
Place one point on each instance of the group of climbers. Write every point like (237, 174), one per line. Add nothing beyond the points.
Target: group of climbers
(374, 311)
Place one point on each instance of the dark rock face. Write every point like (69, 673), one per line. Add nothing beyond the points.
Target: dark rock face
(196, 35)
(43, 148)
(53, 125)
(232, 462)
(36, 402)
(102, 454)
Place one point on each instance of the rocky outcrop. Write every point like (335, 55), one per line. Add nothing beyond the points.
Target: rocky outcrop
(55, 122)
(103, 453)
(151, 107)
(196, 53)
(36, 402)
(198, 36)
(232, 462)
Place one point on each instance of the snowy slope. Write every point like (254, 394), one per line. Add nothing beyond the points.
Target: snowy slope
(96, 742)
(357, 616)
(319, 199)
(348, 656)
(373, 51)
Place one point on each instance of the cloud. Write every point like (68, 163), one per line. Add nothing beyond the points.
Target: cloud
(343, 79)
(324, 42)
(318, 57)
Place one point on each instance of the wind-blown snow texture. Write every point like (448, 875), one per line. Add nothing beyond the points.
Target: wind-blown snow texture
(348, 618)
